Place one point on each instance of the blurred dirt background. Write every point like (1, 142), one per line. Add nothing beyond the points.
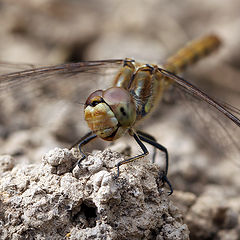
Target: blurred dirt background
(47, 32)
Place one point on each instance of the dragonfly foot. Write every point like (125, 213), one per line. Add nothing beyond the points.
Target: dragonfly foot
(163, 177)
(118, 171)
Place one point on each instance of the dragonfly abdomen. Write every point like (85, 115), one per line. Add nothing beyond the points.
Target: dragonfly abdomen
(193, 52)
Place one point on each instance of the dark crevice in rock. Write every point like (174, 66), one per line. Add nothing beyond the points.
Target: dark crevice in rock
(87, 216)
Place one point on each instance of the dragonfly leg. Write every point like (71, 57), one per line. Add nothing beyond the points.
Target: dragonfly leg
(145, 152)
(151, 140)
(79, 140)
(139, 132)
(83, 141)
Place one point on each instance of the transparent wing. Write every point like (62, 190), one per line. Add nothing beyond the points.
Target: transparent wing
(217, 133)
(64, 70)
(7, 67)
(215, 124)
(188, 87)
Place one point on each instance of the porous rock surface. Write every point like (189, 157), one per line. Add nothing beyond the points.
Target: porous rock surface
(58, 200)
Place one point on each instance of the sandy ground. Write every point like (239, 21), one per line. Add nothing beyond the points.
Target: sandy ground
(37, 117)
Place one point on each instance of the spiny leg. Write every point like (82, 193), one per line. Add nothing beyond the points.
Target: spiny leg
(151, 140)
(82, 142)
(145, 152)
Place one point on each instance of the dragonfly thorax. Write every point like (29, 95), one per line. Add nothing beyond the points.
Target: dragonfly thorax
(110, 113)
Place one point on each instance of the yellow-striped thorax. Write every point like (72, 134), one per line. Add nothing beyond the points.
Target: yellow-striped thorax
(110, 113)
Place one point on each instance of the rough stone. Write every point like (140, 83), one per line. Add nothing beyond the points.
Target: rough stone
(52, 200)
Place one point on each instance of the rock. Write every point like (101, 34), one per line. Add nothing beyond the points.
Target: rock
(57, 199)
(214, 215)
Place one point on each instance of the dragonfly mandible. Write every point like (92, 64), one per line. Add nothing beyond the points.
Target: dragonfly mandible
(135, 93)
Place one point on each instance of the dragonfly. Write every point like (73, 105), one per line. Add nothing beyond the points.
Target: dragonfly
(135, 93)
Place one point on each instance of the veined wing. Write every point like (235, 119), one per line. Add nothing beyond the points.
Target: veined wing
(7, 67)
(201, 95)
(60, 80)
(38, 74)
(216, 123)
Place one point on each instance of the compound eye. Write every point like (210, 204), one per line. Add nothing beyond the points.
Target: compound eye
(116, 95)
(121, 104)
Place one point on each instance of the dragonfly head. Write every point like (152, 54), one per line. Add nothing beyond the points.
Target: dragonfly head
(110, 113)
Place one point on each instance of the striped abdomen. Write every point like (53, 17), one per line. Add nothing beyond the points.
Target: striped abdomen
(190, 54)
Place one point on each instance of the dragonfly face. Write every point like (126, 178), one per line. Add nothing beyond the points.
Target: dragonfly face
(110, 113)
